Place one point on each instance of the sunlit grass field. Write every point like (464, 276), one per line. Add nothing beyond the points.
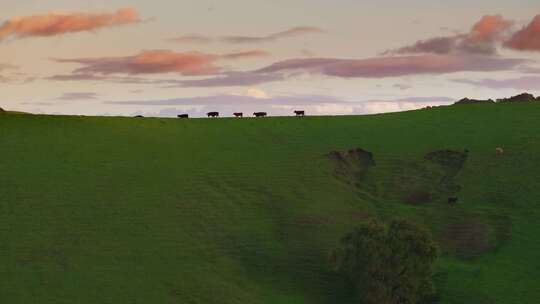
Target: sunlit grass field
(147, 210)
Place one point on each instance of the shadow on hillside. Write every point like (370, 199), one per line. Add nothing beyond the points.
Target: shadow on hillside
(428, 182)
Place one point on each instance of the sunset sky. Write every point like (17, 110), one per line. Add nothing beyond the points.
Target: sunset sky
(167, 57)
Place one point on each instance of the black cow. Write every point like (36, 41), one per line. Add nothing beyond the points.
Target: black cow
(183, 116)
(239, 114)
(139, 116)
(212, 114)
(260, 114)
(452, 200)
(300, 113)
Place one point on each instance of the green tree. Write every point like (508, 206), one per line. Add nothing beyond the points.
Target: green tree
(388, 264)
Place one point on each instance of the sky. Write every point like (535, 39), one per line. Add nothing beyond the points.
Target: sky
(169, 57)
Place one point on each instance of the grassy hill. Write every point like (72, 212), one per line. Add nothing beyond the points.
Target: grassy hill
(124, 210)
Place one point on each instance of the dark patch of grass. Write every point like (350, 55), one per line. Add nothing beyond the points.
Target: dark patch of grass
(352, 165)
(467, 238)
(418, 197)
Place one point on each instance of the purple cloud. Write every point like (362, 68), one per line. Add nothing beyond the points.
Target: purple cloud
(238, 39)
(292, 32)
(192, 39)
(227, 79)
(393, 66)
(378, 67)
(437, 45)
(113, 79)
(519, 83)
(77, 77)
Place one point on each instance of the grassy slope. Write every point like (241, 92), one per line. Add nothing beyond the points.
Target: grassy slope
(120, 210)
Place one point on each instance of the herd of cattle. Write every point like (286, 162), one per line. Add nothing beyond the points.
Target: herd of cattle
(240, 114)
(237, 114)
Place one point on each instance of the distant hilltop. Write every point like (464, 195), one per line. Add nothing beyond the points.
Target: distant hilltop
(3, 111)
(524, 97)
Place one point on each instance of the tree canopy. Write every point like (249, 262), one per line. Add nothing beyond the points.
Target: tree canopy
(388, 264)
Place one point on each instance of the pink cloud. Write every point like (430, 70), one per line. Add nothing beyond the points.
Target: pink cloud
(483, 38)
(489, 28)
(53, 24)
(526, 39)
(489, 33)
(148, 62)
(158, 61)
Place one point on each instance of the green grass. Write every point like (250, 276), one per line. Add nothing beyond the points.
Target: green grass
(123, 210)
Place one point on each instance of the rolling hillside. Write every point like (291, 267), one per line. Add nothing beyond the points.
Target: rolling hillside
(125, 210)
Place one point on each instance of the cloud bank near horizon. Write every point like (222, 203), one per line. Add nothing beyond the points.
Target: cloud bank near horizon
(254, 100)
